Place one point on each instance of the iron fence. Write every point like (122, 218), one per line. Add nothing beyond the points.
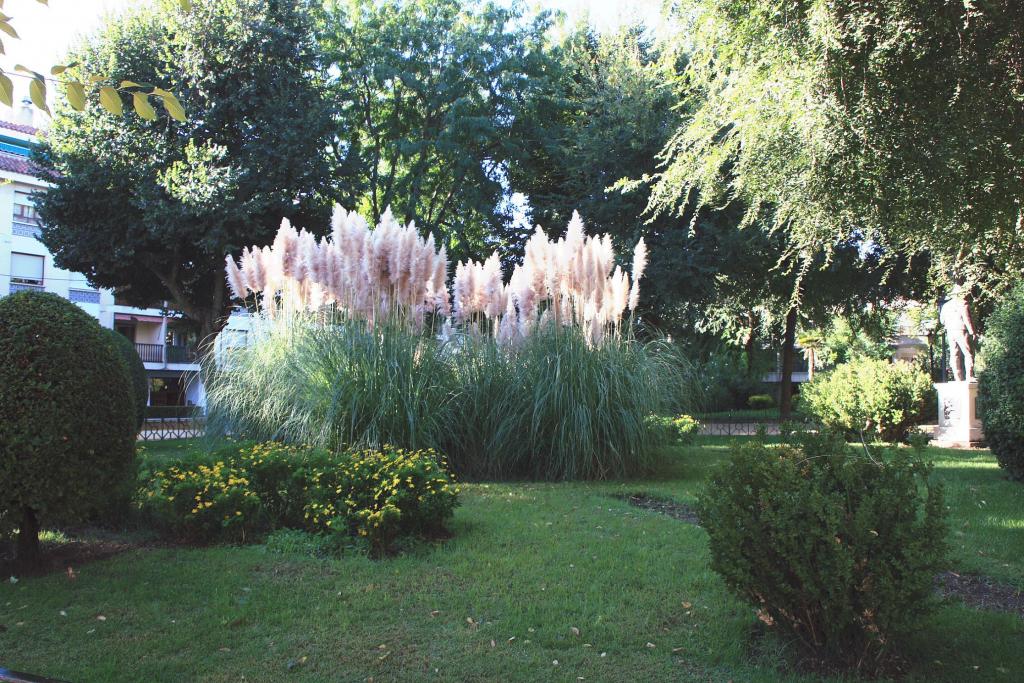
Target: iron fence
(172, 422)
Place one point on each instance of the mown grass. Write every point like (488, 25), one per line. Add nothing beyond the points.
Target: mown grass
(528, 563)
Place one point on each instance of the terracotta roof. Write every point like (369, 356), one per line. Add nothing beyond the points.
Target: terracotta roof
(18, 164)
(20, 127)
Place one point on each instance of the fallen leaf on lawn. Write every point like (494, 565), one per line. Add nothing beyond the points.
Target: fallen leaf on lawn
(14, 579)
(224, 649)
(555, 662)
(587, 645)
(651, 645)
(687, 605)
(294, 663)
(101, 618)
(63, 613)
(676, 650)
(511, 639)
(382, 646)
(575, 631)
(604, 654)
(435, 612)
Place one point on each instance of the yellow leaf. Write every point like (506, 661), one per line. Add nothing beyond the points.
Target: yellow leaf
(186, 5)
(128, 84)
(58, 69)
(21, 68)
(173, 107)
(37, 91)
(8, 29)
(111, 100)
(6, 90)
(76, 95)
(142, 106)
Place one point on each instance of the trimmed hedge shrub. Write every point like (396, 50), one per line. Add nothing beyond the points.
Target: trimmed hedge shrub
(67, 437)
(1001, 384)
(881, 398)
(760, 401)
(240, 492)
(136, 372)
(835, 546)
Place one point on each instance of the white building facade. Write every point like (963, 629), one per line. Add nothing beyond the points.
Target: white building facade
(162, 340)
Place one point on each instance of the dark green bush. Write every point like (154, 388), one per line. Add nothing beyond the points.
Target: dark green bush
(881, 398)
(67, 438)
(760, 401)
(1001, 384)
(136, 372)
(240, 492)
(835, 546)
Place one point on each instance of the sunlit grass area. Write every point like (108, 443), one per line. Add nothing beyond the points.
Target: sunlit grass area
(540, 582)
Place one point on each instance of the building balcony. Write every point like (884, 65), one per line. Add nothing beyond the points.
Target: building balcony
(23, 228)
(165, 354)
(25, 287)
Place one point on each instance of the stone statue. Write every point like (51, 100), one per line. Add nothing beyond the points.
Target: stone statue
(956, 319)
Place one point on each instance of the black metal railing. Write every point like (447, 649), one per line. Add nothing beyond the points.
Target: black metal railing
(158, 353)
(739, 422)
(173, 422)
(150, 353)
(182, 354)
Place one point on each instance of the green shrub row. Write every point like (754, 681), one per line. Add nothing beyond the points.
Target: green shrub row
(836, 546)
(240, 492)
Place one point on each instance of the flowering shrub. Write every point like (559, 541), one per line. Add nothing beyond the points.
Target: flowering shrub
(680, 429)
(376, 495)
(200, 501)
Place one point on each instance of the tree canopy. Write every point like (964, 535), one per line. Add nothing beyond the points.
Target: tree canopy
(150, 208)
(425, 95)
(882, 119)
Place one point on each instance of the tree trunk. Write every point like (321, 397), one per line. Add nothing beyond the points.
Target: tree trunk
(786, 388)
(26, 552)
(748, 344)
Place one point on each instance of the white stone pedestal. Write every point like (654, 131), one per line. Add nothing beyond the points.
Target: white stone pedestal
(959, 426)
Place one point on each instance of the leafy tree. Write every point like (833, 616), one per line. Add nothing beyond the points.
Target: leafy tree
(604, 109)
(150, 208)
(830, 119)
(426, 93)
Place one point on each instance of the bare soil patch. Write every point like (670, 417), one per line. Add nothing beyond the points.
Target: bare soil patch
(980, 592)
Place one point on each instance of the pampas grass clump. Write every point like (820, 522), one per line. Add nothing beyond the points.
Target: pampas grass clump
(356, 344)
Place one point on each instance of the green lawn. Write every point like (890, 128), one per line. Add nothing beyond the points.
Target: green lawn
(527, 565)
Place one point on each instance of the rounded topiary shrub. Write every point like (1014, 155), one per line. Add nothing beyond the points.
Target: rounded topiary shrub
(876, 397)
(836, 547)
(1001, 385)
(136, 372)
(67, 436)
